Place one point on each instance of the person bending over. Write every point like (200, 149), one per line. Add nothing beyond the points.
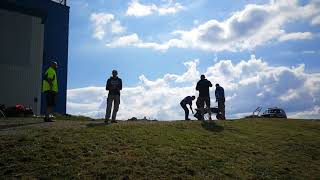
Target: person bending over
(184, 102)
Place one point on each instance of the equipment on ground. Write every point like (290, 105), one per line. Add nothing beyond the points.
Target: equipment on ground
(255, 113)
(203, 114)
(16, 111)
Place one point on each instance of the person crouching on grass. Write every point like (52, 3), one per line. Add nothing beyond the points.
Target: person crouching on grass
(184, 102)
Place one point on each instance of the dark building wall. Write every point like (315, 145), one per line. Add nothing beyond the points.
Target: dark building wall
(56, 30)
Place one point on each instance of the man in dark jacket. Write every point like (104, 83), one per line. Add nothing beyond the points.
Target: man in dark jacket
(204, 96)
(221, 100)
(114, 85)
(184, 102)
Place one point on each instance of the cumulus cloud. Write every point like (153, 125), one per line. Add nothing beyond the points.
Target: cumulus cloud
(309, 52)
(296, 36)
(102, 21)
(253, 26)
(248, 84)
(124, 41)
(316, 20)
(137, 9)
(134, 41)
(313, 113)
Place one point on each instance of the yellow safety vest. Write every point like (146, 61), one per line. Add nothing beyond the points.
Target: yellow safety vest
(50, 74)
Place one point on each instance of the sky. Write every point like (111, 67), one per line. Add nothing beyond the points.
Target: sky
(263, 52)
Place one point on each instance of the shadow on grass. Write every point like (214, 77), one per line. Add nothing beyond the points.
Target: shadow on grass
(8, 126)
(91, 125)
(212, 126)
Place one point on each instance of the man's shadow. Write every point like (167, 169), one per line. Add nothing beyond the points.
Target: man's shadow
(212, 126)
(8, 126)
(92, 125)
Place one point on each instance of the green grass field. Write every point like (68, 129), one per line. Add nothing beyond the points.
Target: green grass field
(239, 149)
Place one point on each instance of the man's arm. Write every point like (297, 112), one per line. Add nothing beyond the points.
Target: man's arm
(191, 108)
(108, 85)
(197, 87)
(223, 93)
(210, 84)
(120, 85)
(216, 94)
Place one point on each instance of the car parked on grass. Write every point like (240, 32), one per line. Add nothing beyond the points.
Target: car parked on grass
(274, 112)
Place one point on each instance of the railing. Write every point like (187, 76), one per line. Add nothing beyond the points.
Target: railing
(63, 2)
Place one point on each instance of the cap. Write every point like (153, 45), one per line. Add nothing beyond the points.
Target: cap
(54, 62)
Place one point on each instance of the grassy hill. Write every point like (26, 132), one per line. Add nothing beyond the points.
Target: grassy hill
(245, 149)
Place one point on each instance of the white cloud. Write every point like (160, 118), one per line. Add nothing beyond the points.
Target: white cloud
(247, 84)
(117, 28)
(253, 26)
(313, 113)
(309, 52)
(316, 20)
(101, 22)
(124, 41)
(135, 41)
(137, 9)
(170, 9)
(296, 36)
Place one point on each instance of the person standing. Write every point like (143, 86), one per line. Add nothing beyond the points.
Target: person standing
(184, 102)
(114, 86)
(203, 86)
(50, 89)
(219, 92)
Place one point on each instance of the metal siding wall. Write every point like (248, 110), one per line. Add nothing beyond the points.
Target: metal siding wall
(37, 55)
(21, 67)
(56, 32)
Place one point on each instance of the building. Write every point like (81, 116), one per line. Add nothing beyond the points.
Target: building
(32, 33)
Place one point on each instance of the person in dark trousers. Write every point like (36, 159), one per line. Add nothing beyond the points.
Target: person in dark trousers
(204, 96)
(221, 101)
(114, 86)
(184, 102)
(50, 89)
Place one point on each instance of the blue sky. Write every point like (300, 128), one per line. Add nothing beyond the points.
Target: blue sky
(167, 44)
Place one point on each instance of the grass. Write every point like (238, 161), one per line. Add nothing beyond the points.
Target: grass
(240, 149)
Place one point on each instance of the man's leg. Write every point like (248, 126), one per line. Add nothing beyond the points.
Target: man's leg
(48, 112)
(200, 106)
(223, 111)
(116, 104)
(221, 108)
(50, 103)
(207, 101)
(186, 111)
(47, 109)
(109, 106)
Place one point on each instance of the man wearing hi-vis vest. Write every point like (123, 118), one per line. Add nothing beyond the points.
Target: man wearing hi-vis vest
(50, 89)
